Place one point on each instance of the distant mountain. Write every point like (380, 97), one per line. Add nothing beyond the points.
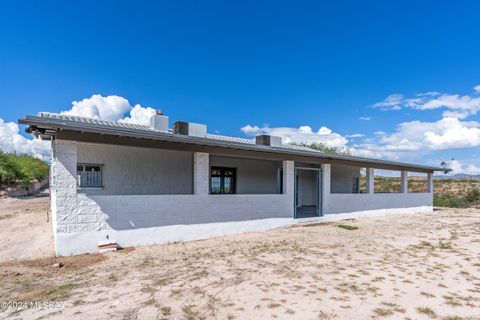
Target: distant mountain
(458, 176)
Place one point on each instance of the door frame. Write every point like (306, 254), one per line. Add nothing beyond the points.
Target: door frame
(319, 188)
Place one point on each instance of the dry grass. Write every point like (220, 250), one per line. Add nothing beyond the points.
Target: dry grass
(314, 272)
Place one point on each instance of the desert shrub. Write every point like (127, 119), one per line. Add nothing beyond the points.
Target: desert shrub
(471, 198)
(386, 184)
(450, 201)
(21, 169)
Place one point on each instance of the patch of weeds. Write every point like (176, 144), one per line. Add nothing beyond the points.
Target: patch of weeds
(26, 284)
(452, 301)
(166, 311)
(273, 305)
(6, 216)
(379, 312)
(394, 307)
(60, 292)
(162, 281)
(175, 292)
(378, 279)
(444, 245)
(190, 313)
(149, 302)
(199, 275)
(147, 289)
(146, 262)
(347, 227)
(78, 302)
(426, 311)
(426, 294)
(426, 244)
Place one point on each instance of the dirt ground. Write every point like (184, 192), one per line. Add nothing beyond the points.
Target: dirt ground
(24, 230)
(405, 266)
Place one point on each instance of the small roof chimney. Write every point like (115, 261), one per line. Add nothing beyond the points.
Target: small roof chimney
(267, 140)
(159, 122)
(190, 129)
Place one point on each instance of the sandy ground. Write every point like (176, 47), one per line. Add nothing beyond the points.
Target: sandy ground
(24, 230)
(420, 266)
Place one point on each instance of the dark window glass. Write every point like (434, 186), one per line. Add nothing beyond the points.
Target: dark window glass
(222, 180)
(216, 185)
(216, 172)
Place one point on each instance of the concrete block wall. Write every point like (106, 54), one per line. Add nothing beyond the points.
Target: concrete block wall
(71, 211)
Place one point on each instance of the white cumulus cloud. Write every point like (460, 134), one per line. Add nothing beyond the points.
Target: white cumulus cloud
(12, 141)
(303, 134)
(458, 167)
(112, 108)
(447, 133)
(454, 105)
(139, 115)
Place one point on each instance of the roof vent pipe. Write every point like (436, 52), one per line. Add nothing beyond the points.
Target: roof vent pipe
(159, 122)
(267, 140)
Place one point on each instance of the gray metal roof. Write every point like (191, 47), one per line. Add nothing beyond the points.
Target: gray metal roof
(53, 122)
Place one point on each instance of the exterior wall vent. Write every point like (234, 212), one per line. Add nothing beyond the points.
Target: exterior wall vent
(159, 122)
(268, 140)
(190, 129)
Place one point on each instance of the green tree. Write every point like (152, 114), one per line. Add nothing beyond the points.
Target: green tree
(322, 147)
(21, 169)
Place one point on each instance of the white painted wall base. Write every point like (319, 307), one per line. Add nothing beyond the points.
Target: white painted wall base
(85, 242)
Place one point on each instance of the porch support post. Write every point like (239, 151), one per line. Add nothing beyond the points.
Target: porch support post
(326, 180)
(430, 182)
(370, 180)
(288, 177)
(404, 182)
(289, 183)
(200, 173)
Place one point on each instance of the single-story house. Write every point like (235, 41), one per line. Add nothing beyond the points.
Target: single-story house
(144, 184)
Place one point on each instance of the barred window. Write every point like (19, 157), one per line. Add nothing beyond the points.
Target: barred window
(89, 175)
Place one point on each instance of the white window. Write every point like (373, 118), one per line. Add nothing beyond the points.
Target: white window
(89, 175)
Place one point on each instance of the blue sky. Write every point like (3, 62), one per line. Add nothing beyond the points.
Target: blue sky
(272, 65)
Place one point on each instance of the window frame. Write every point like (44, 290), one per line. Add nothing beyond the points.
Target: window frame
(222, 177)
(84, 165)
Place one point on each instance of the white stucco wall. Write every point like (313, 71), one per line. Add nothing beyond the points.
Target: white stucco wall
(82, 219)
(253, 176)
(342, 178)
(133, 170)
(340, 203)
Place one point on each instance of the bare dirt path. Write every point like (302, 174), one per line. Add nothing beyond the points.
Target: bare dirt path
(421, 266)
(25, 232)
